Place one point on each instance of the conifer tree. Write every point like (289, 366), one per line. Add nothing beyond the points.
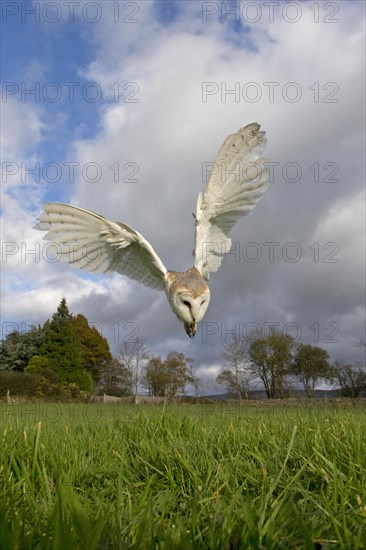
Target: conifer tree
(61, 347)
(18, 347)
(94, 347)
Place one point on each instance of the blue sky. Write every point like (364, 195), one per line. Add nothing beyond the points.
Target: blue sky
(40, 53)
(49, 50)
(176, 66)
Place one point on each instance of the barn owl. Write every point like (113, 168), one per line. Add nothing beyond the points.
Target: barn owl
(89, 241)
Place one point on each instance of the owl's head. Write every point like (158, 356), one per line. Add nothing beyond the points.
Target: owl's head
(189, 296)
(191, 309)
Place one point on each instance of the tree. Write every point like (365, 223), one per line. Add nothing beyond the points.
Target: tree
(115, 379)
(95, 350)
(233, 388)
(178, 367)
(155, 378)
(235, 377)
(18, 347)
(66, 344)
(133, 355)
(310, 364)
(61, 347)
(195, 381)
(167, 378)
(14, 354)
(270, 361)
(351, 379)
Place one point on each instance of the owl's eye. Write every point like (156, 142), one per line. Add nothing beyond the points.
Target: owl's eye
(186, 303)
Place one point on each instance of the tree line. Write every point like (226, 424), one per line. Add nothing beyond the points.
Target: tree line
(276, 363)
(68, 357)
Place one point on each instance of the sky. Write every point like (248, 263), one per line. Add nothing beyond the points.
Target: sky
(119, 107)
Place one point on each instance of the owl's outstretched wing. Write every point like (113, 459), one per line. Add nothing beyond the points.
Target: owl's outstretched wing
(91, 242)
(237, 182)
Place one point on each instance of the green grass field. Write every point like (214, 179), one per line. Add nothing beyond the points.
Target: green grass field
(190, 476)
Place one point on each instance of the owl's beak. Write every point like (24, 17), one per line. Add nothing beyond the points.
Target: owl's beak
(190, 329)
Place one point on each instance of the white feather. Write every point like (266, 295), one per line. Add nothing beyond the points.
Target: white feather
(237, 182)
(89, 241)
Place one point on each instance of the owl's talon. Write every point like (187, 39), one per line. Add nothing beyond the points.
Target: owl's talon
(191, 329)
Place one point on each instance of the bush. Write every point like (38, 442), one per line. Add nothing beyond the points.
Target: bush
(46, 383)
(18, 383)
(37, 363)
(82, 379)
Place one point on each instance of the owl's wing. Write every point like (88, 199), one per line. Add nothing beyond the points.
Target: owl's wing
(91, 242)
(236, 183)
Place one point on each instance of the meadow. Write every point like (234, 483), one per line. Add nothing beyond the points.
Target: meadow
(222, 476)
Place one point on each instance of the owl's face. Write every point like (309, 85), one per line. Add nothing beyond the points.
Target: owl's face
(190, 308)
(189, 296)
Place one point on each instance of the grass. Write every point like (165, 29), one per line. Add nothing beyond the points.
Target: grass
(196, 476)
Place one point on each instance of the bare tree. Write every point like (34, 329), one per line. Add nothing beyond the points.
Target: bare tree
(134, 355)
(195, 381)
(351, 379)
(235, 375)
(115, 379)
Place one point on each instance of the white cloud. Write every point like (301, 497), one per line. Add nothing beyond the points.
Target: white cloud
(23, 129)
